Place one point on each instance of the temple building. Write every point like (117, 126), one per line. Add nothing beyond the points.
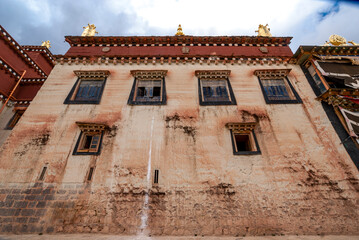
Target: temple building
(178, 136)
(23, 70)
(332, 71)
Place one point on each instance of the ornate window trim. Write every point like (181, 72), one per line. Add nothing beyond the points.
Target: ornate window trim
(277, 74)
(96, 75)
(246, 130)
(219, 75)
(148, 75)
(92, 74)
(93, 134)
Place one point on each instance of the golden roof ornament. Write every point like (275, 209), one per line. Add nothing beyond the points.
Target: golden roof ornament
(46, 44)
(89, 30)
(336, 40)
(179, 31)
(263, 31)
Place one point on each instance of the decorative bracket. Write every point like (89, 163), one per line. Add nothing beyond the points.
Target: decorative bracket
(271, 73)
(241, 127)
(91, 127)
(212, 73)
(149, 74)
(94, 74)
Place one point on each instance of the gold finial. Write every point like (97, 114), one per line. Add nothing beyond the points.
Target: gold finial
(46, 44)
(353, 43)
(263, 31)
(179, 31)
(89, 30)
(336, 40)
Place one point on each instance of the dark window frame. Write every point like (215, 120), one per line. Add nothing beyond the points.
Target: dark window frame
(232, 100)
(14, 119)
(133, 101)
(70, 99)
(90, 174)
(42, 174)
(156, 176)
(78, 151)
(251, 135)
(288, 83)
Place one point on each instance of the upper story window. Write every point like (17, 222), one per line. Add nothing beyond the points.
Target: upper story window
(148, 88)
(244, 141)
(90, 139)
(88, 87)
(276, 87)
(318, 82)
(214, 88)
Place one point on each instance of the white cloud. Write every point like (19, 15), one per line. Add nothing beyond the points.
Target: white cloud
(297, 18)
(42, 9)
(227, 17)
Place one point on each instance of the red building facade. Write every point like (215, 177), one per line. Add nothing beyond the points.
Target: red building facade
(34, 63)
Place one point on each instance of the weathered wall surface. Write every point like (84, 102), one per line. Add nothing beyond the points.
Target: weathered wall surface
(303, 182)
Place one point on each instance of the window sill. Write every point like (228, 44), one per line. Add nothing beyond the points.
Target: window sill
(283, 101)
(147, 103)
(81, 102)
(247, 153)
(219, 103)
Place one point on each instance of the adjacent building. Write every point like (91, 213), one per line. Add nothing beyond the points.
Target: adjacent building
(30, 65)
(332, 71)
(177, 135)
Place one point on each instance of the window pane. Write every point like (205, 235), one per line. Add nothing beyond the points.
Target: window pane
(215, 90)
(276, 89)
(317, 80)
(87, 142)
(88, 90)
(242, 142)
(148, 90)
(157, 91)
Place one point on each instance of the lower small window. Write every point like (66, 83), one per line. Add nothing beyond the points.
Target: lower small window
(14, 120)
(89, 141)
(244, 141)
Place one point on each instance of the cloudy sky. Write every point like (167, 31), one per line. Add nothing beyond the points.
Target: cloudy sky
(309, 22)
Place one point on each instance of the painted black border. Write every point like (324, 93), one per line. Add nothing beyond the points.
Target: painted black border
(245, 152)
(87, 153)
(131, 101)
(297, 100)
(343, 135)
(68, 98)
(203, 103)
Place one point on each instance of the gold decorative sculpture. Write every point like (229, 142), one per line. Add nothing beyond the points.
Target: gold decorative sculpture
(263, 31)
(89, 30)
(353, 43)
(179, 31)
(337, 40)
(46, 44)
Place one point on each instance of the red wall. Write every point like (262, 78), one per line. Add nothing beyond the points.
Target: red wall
(245, 51)
(16, 62)
(41, 61)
